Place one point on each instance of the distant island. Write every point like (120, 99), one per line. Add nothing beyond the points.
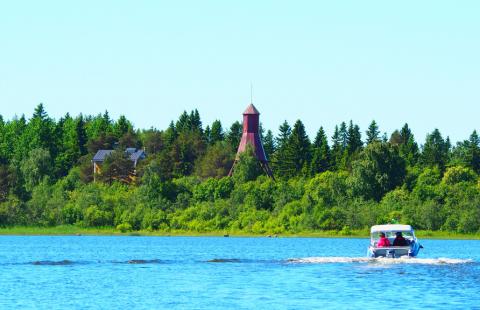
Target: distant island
(93, 172)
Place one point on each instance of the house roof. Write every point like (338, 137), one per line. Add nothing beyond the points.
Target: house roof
(140, 154)
(101, 155)
(133, 153)
(251, 110)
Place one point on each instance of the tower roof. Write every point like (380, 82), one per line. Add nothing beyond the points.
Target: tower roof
(251, 110)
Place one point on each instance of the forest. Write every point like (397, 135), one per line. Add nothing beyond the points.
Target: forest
(348, 181)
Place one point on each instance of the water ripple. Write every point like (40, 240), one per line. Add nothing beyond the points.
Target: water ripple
(144, 261)
(64, 262)
(224, 260)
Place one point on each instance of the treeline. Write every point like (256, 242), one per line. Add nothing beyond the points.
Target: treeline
(347, 181)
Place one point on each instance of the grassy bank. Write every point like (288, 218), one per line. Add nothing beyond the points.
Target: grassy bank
(110, 231)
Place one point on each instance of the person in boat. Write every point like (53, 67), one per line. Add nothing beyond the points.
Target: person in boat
(383, 241)
(400, 240)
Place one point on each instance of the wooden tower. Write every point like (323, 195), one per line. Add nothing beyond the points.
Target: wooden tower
(251, 136)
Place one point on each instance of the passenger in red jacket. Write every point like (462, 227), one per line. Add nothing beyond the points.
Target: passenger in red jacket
(383, 241)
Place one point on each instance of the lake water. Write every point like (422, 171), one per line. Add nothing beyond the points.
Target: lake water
(88, 272)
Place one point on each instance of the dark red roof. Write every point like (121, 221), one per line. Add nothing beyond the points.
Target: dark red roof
(251, 110)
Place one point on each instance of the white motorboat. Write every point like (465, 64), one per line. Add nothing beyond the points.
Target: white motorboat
(400, 241)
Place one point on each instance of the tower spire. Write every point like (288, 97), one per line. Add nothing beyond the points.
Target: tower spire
(251, 92)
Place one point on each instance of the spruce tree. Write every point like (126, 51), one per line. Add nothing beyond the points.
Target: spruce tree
(171, 134)
(183, 122)
(106, 124)
(298, 151)
(194, 122)
(208, 134)
(122, 126)
(284, 134)
(473, 152)
(81, 134)
(343, 134)
(280, 161)
(408, 147)
(354, 139)
(40, 132)
(321, 154)
(435, 151)
(216, 133)
(337, 148)
(268, 144)
(234, 135)
(373, 133)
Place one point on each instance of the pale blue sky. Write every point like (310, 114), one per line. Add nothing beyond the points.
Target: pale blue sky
(319, 61)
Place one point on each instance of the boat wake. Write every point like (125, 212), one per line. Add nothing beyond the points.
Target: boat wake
(380, 260)
(306, 260)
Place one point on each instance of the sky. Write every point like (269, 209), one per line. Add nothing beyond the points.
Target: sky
(323, 62)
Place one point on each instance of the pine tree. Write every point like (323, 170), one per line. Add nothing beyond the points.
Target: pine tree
(354, 139)
(208, 134)
(284, 134)
(343, 134)
(268, 144)
(321, 154)
(122, 126)
(298, 151)
(435, 151)
(373, 133)
(408, 147)
(337, 148)
(473, 151)
(170, 134)
(106, 125)
(234, 135)
(68, 150)
(15, 145)
(261, 131)
(40, 112)
(194, 122)
(40, 132)
(216, 133)
(182, 123)
(81, 133)
(280, 159)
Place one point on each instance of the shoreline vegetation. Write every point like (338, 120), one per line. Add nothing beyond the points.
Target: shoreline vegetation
(55, 180)
(72, 230)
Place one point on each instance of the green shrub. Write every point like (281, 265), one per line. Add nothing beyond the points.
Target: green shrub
(124, 227)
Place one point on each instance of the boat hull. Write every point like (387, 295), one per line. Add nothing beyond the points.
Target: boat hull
(394, 252)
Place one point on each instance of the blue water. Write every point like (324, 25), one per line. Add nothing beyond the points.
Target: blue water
(77, 272)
